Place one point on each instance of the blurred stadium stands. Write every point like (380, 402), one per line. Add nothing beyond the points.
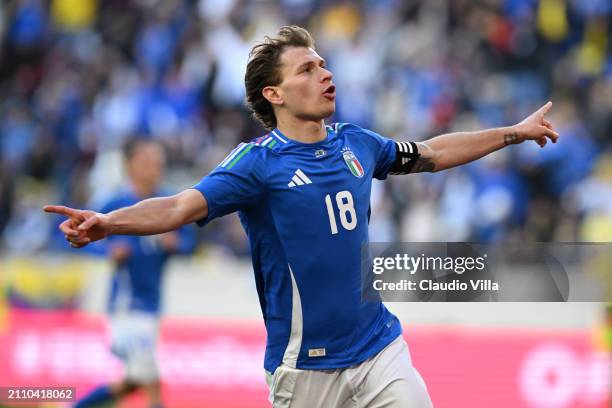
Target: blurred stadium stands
(79, 77)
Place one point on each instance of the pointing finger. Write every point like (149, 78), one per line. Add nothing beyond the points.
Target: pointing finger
(545, 108)
(62, 210)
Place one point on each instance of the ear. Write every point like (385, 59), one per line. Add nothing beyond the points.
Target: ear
(272, 94)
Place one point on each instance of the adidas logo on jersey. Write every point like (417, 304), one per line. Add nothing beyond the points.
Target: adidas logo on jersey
(299, 179)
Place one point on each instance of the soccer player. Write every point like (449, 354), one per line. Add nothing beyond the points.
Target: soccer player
(136, 287)
(302, 192)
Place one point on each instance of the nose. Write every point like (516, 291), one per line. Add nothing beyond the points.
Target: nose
(327, 75)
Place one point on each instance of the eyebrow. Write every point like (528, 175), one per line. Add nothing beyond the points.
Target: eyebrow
(322, 60)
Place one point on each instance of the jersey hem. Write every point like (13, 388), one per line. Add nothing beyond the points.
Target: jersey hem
(353, 363)
(333, 366)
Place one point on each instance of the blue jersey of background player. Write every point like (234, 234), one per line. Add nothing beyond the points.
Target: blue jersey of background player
(140, 260)
(303, 195)
(139, 263)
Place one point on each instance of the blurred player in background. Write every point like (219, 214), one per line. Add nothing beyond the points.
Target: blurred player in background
(303, 196)
(136, 286)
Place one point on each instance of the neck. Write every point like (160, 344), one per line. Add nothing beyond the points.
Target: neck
(301, 130)
(142, 190)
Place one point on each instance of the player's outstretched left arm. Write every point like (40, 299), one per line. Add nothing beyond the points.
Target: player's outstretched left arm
(454, 149)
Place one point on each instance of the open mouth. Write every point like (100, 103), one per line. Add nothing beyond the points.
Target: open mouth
(330, 92)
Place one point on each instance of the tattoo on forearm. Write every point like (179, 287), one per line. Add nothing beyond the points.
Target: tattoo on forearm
(511, 138)
(423, 164)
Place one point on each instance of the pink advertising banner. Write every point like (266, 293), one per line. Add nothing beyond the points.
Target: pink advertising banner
(218, 363)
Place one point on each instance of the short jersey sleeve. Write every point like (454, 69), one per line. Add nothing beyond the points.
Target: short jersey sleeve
(383, 149)
(390, 157)
(237, 183)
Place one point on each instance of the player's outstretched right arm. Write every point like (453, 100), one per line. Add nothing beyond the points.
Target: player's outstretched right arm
(148, 217)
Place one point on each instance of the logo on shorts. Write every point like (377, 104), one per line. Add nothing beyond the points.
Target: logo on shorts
(352, 163)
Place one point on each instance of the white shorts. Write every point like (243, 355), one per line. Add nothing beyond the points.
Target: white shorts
(386, 380)
(134, 340)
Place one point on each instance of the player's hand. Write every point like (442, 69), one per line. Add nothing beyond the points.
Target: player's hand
(536, 127)
(82, 226)
(169, 241)
(120, 252)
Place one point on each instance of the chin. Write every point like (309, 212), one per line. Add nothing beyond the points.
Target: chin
(329, 112)
(324, 113)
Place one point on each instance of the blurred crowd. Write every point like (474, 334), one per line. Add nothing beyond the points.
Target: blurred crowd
(78, 78)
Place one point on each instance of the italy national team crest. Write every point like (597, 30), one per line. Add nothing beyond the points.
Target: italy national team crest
(352, 163)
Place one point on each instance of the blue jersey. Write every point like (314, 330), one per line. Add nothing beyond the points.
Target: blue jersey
(305, 208)
(136, 283)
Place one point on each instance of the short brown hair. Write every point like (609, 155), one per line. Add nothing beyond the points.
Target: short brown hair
(132, 144)
(263, 69)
